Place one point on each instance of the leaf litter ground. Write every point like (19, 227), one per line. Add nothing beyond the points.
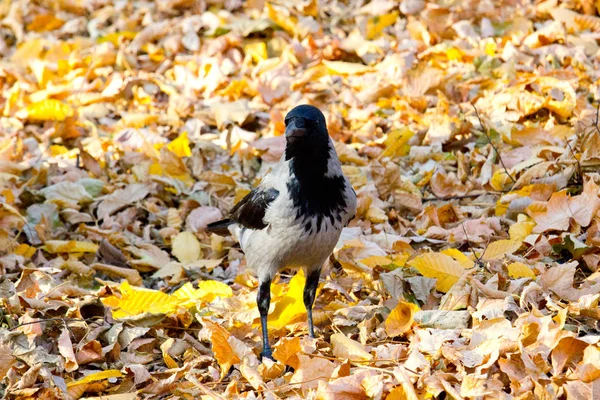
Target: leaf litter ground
(470, 133)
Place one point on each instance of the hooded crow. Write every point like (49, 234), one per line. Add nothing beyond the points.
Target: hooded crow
(294, 217)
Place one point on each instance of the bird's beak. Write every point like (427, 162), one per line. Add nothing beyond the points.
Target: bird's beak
(295, 129)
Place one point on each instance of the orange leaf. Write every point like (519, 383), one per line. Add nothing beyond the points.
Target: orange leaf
(223, 351)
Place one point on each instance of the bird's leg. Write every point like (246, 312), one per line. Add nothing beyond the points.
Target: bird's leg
(310, 290)
(263, 300)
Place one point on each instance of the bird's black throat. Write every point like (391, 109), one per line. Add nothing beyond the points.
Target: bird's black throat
(314, 194)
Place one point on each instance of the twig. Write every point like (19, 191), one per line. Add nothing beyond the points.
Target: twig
(484, 130)
(39, 321)
(597, 119)
(579, 171)
(465, 196)
(385, 370)
(469, 243)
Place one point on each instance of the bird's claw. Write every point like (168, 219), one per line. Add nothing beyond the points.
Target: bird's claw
(267, 353)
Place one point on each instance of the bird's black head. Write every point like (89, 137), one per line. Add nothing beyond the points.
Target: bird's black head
(316, 192)
(306, 134)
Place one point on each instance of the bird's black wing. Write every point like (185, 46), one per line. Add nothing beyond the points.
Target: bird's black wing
(249, 212)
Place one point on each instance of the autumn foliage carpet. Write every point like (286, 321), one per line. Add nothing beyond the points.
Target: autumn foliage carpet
(469, 130)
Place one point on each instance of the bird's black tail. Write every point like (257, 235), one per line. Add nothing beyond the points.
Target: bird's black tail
(220, 227)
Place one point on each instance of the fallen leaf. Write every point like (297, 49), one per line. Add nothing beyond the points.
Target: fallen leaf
(72, 246)
(186, 247)
(47, 110)
(500, 248)
(439, 266)
(401, 318)
(122, 198)
(520, 270)
(346, 348)
(220, 346)
(65, 347)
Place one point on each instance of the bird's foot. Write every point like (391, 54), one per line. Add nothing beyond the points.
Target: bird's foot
(267, 353)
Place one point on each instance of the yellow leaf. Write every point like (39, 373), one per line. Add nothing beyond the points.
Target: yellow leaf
(290, 307)
(207, 291)
(212, 289)
(57, 150)
(280, 16)
(374, 261)
(397, 393)
(454, 54)
(520, 270)
(312, 8)
(186, 247)
(66, 246)
(134, 301)
(500, 248)
(115, 36)
(346, 348)
(25, 250)
(97, 376)
(48, 110)
(256, 50)
(501, 208)
(521, 230)
(376, 24)
(221, 348)
(490, 49)
(346, 68)
(440, 266)
(181, 146)
(396, 143)
(499, 180)
(401, 318)
(156, 169)
(460, 257)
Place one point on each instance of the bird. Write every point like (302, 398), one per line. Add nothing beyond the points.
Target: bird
(295, 216)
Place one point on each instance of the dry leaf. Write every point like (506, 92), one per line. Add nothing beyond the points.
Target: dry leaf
(439, 266)
(220, 346)
(401, 318)
(186, 247)
(348, 349)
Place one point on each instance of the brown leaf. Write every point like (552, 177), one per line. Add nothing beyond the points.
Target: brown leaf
(310, 370)
(349, 387)
(65, 347)
(200, 217)
(6, 359)
(111, 255)
(131, 275)
(569, 350)
(89, 353)
(122, 198)
(90, 163)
